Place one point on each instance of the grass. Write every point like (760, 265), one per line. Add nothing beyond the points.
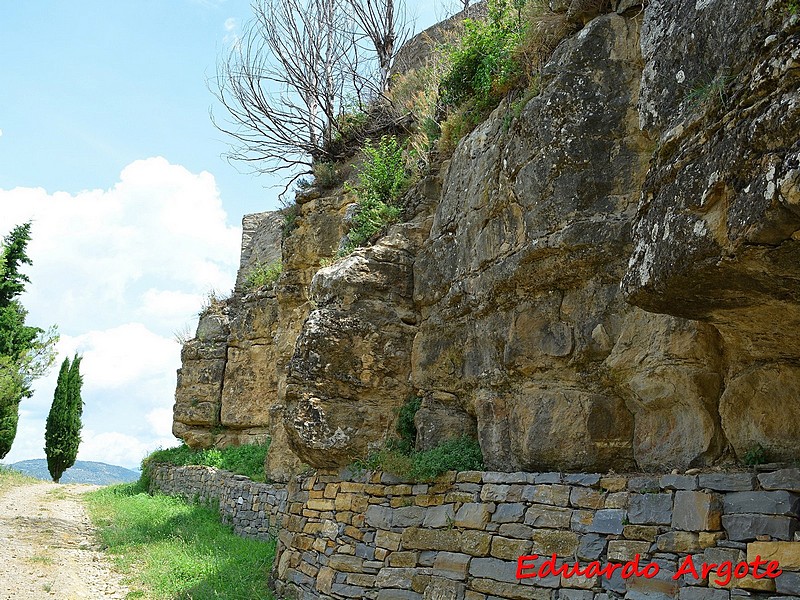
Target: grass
(458, 454)
(246, 460)
(263, 274)
(169, 549)
(11, 478)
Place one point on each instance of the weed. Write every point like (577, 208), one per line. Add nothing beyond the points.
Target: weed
(711, 92)
(290, 212)
(755, 455)
(246, 459)
(11, 478)
(326, 175)
(458, 454)
(183, 334)
(381, 181)
(793, 7)
(406, 428)
(214, 304)
(171, 549)
(263, 274)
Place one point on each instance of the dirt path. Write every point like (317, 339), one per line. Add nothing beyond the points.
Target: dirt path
(48, 549)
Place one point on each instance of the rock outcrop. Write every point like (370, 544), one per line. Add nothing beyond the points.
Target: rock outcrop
(607, 280)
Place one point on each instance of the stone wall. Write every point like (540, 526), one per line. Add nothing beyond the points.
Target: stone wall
(253, 509)
(460, 538)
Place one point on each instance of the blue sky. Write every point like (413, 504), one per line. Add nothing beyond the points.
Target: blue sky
(107, 147)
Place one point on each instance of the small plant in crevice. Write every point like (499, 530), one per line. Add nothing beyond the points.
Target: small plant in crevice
(326, 175)
(263, 274)
(755, 455)
(715, 90)
(382, 179)
(290, 213)
(405, 427)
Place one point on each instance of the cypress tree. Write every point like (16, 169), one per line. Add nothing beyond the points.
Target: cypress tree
(62, 432)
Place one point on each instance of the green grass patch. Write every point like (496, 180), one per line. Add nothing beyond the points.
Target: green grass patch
(169, 549)
(245, 460)
(263, 274)
(458, 454)
(11, 478)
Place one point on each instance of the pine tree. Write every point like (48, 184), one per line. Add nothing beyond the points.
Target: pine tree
(62, 432)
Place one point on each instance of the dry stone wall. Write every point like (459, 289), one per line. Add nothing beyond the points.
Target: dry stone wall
(460, 537)
(253, 509)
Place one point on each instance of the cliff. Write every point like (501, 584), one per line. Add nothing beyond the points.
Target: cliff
(608, 277)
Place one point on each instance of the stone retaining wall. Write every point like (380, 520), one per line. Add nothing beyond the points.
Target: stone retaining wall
(460, 537)
(253, 509)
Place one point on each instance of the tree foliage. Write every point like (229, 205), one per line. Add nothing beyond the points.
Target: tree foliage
(26, 353)
(63, 428)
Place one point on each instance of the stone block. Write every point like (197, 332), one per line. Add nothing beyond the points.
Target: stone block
(443, 589)
(415, 538)
(614, 483)
(788, 583)
(785, 479)
(405, 559)
(583, 479)
(495, 569)
(644, 485)
(679, 541)
(475, 543)
(439, 516)
(787, 554)
(768, 503)
(391, 577)
(509, 548)
(745, 528)
(472, 515)
(568, 594)
(618, 500)
(625, 550)
(727, 482)
(513, 591)
(702, 593)
(548, 478)
(678, 482)
(547, 516)
(398, 595)
(608, 521)
(379, 517)
(452, 565)
(346, 564)
(509, 513)
(581, 497)
(497, 477)
(647, 533)
(387, 539)
(650, 509)
(494, 492)
(591, 547)
(515, 530)
(581, 520)
(555, 495)
(547, 542)
(697, 511)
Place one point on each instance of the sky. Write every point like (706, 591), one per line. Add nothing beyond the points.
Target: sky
(107, 147)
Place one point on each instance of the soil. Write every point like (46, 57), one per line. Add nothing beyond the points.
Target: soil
(48, 546)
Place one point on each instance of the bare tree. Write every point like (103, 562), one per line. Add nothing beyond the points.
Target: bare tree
(283, 84)
(386, 25)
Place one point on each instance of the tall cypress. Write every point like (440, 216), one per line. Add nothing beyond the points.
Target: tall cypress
(62, 432)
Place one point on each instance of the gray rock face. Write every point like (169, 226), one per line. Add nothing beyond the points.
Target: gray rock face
(715, 233)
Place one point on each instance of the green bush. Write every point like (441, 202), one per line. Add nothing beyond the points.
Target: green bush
(458, 454)
(381, 181)
(262, 274)
(406, 428)
(484, 65)
(246, 460)
(326, 175)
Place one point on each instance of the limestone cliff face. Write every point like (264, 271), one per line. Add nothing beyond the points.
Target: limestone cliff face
(609, 280)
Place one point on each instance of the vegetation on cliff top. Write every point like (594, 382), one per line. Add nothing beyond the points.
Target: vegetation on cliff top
(245, 460)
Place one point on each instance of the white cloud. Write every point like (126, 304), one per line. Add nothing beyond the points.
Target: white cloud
(230, 24)
(119, 271)
(1, 133)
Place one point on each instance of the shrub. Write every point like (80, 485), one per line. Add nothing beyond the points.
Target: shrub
(458, 454)
(381, 181)
(484, 63)
(263, 274)
(755, 455)
(406, 428)
(290, 212)
(326, 175)
(246, 460)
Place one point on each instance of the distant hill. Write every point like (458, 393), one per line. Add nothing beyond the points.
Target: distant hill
(83, 471)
